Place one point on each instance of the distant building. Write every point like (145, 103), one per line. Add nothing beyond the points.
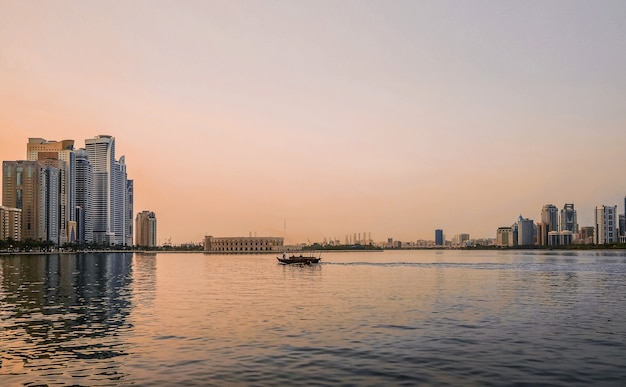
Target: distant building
(568, 219)
(525, 232)
(504, 237)
(622, 225)
(606, 225)
(586, 235)
(560, 238)
(243, 244)
(10, 223)
(439, 241)
(146, 228)
(84, 197)
(550, 216)
(542, 234)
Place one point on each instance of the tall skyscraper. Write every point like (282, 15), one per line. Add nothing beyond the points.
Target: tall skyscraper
(146, 229)
(25, 186)
(84, 198)
(40, 149)
(550, 216)
(130, 198)
(109, 191)
(569, 221)
(439, 237)
(525, 232)
(606, 225)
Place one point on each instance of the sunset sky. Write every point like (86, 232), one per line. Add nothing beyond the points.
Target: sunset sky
(338, 117)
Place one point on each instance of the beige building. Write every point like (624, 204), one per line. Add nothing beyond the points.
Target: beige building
(242, 244)
(10, 223)
(505, 237)
(145, 229)
(24, 186)
(38, 149)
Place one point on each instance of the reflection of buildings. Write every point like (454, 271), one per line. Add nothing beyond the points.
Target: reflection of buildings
(65, 306)
(146, 227)
(243, 244)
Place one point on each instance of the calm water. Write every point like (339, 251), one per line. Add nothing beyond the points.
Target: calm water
(392, 318)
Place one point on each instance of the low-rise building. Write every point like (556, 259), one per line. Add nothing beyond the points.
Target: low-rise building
(242, 244)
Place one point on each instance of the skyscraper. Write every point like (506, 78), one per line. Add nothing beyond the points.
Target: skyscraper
(568, 219)
(146, 229)
(525, 232)
(84, 199)
(24, 186)
(550, 216)
(439, 237)
(40, 149)
(606, 225)
(129, 211)
(109, 191)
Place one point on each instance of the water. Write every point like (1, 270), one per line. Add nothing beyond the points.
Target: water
(373, 318)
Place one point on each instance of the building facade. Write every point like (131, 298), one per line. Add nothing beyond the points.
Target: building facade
(542, 234)
(84, 198)
(606, 225)
(10, 223)
(504, 237)
(439, 241)
(525, 232)
(146, 228)
(568, 219)
(550, 216)
(243, 244)
(25, 186)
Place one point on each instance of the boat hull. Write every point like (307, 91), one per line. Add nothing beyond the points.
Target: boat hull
(298, 260)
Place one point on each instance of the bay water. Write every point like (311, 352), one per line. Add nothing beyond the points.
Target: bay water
(410, 317)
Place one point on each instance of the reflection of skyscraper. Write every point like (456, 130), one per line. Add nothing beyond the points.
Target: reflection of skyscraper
(550, 216)
(606, 225)
(40, 149)
(109, 191)
(146, 229)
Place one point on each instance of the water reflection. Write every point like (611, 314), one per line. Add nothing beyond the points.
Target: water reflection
(60, 311)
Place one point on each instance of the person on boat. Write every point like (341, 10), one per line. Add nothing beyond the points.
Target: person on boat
(284, 255)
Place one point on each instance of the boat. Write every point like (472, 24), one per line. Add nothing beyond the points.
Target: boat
(298, 260)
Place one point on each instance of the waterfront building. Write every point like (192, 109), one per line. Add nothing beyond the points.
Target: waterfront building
(439, 241)
(56, 225)
(622, 225)
(606, 225)
(586, 235)
(504, 237)
(243, 244)
(109, 191)
(146, 227)
(542, 234)
(568, 219)
(560, 238)
(24, 186)
(525, 231)
(550, 216)
(84, 198)
(10, 223)
(39, 149)
(130, 198)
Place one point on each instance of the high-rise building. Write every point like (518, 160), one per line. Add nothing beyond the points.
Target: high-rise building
(542, 234)
(146, 228)
(568, 219)
(109, 192)
(525, 231)
(504, 237)
(606, 225)
(129, 211)
(84, 198)
(439, 237)
(25, 186)
(56, 223)
(10, 223)
(40, 149)
(550, 216)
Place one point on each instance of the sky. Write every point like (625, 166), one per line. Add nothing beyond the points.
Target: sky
(319, 119)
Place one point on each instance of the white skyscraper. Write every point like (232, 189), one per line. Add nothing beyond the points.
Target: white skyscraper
(109, 191)
(606, 225)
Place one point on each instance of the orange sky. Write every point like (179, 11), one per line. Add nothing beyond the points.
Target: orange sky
(390, 117)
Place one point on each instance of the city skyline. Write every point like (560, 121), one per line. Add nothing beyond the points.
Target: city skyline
(323, 118)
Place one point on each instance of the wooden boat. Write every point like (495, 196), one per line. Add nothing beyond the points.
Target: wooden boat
(298, 260)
